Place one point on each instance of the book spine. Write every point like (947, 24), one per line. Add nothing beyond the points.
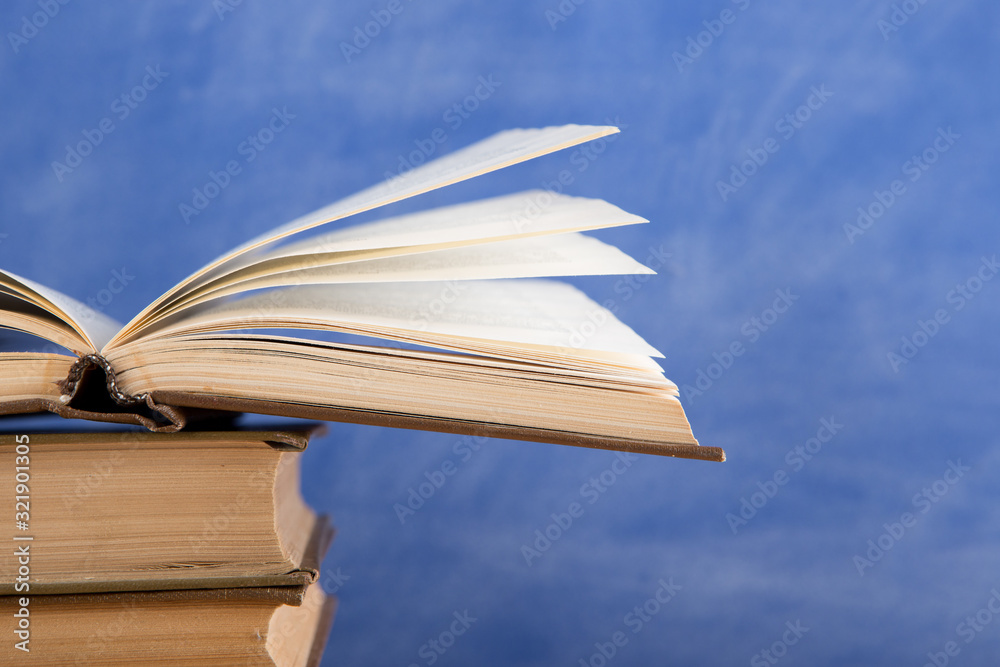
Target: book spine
(85, 363)
(90, 391)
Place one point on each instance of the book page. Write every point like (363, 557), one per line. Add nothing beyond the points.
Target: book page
(536, 257)
(31, 376)
(501, 150)
(410, 389)
(525, 214)
(529, 213)
(93, 328)
(16, 314)
(526, 313)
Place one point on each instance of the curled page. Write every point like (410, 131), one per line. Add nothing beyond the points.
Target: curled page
(522, 215)
(94, 328)
(527, 313)
(537, 257)
(530, 213)
(501, 150)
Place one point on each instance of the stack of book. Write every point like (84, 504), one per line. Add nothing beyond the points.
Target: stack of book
(442, 320)
(195, 547)
(131, 547)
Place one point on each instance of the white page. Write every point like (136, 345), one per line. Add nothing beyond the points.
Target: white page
(501, 150)
(530, 213)
(522, 214)
(536, 257)
(95, 328)
(543, 313)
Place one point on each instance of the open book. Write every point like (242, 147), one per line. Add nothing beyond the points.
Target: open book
(474, 339)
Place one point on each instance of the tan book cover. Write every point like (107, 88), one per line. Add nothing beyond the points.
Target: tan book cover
(283, 626)
(136, 510)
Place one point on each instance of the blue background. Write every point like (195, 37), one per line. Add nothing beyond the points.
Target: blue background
(685, 125)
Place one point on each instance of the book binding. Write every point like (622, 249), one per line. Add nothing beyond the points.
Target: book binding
(90, 391)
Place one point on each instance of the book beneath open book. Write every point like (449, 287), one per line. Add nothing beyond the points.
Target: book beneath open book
(132, 510)
(475, 339)
(283, 626)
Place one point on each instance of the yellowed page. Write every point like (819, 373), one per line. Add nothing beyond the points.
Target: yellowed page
(93, 328)
(19, 315)
(500, 150)
(32, 375)
(405, 382)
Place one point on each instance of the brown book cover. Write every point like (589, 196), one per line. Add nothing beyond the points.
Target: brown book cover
(272, 446)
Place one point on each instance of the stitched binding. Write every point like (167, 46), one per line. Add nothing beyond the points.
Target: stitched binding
(77, 370)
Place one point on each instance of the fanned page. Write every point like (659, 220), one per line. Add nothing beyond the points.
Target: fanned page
(535, 257)
(564, 255)
(71, 323)
(501, 150)
(530, 213)
(525, 215)
(17, 314)
(536, 320)
(510, 353)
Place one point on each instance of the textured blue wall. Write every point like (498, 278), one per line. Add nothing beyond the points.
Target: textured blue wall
(855, 520)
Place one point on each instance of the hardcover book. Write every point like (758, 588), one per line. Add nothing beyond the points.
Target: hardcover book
(131, 511)
(471, 334)
(262, 626)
